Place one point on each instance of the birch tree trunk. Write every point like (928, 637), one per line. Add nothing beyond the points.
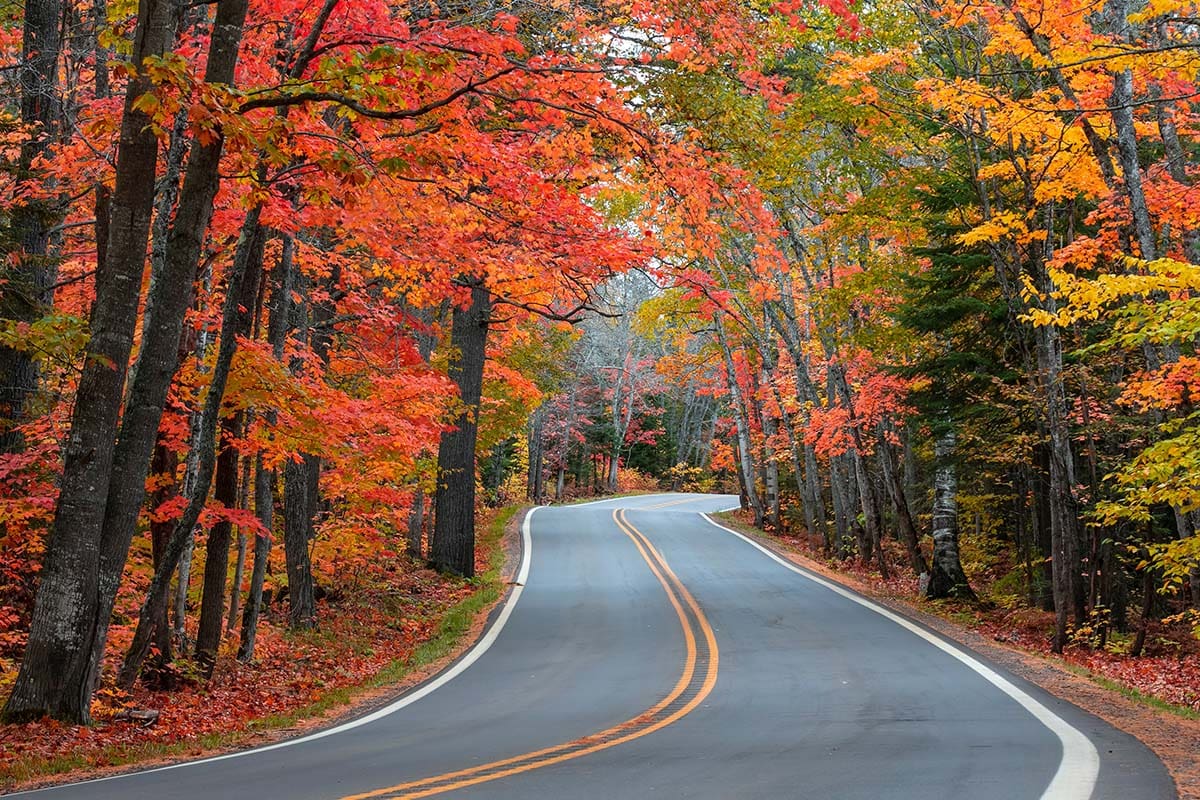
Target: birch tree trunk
(947, 578)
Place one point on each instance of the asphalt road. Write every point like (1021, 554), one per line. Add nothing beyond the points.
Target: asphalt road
(650, 653)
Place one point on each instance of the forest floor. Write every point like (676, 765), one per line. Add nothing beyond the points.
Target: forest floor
(1155, 697)
(400, 625)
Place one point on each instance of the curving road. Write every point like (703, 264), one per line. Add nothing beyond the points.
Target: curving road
(647, 652)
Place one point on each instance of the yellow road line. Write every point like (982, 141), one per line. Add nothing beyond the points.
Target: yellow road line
(641, 725)
(666, 504)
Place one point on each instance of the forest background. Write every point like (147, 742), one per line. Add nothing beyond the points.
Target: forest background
(290, 291)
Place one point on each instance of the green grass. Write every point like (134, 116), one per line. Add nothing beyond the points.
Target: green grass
(455, 624)
(1131, 693)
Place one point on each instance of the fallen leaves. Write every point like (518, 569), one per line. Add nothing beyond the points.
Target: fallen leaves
(395, 610)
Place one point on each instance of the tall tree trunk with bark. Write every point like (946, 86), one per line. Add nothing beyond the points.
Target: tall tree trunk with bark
(56, 671)
(1066, 559)
(264, 507)
(453, 544)
(166, 308)
(216, 550)
(216, 547)
(302, 487)
(812, 481)
(870, 507)
(28, 273)
(243, 542)
(904, 521)
(842, 505)
(298, 504)
(770, 428)
(164, 465)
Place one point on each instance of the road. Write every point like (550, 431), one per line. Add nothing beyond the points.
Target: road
(649, 653)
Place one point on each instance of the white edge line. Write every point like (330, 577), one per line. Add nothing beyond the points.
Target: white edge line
(457, 669)
(1076, 776)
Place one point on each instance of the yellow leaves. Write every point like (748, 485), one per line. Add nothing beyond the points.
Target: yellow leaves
(1166, 473)
(960, 97)
(1162, 8)
(1005, 225)
(1002, 170)
(148, 104)
(1086, 299)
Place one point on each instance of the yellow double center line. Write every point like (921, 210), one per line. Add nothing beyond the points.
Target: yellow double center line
(669, 503)
(694, 685)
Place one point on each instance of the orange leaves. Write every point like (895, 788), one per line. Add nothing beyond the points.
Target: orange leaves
(1172, 386)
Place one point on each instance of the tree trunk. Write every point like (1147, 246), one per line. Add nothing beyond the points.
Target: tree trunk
(28, 273)
(298, 506)
(742, 426)
(874, 530)
(812, 481)
(264, 479)
(247, 266)
(1148, 590)
(166, 308)
(1040, 518)
(216, 551)
(264, 505)
(164, 466)
(243, 542)
(453, 544)
(1066, 561)
(771, 465)
(839, 495)
(536, 485)
(56, 671)
(947, 578)
(1176, 163)
(301, 490)
(904, 521)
